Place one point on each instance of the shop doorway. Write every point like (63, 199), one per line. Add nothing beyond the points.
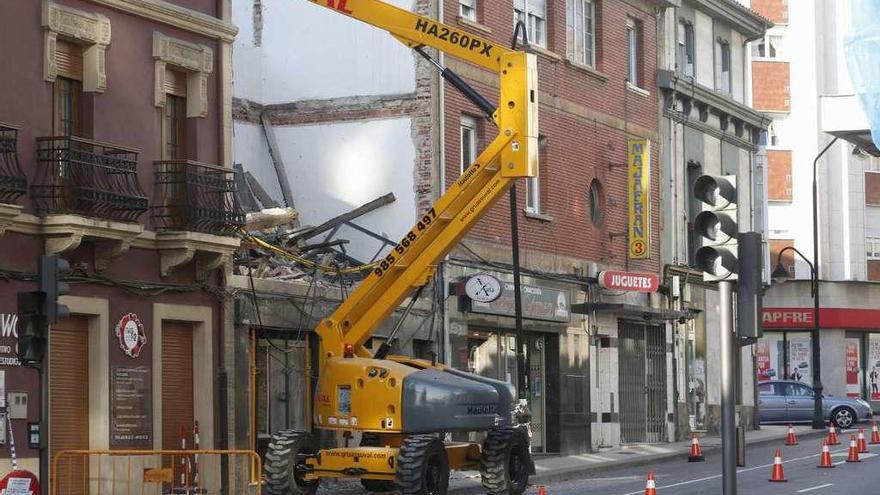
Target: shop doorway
(642, 383)
(493, 355)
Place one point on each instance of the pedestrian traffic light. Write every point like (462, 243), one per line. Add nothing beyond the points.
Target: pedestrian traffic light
(32, 327)
(717, 258)
(50, 272)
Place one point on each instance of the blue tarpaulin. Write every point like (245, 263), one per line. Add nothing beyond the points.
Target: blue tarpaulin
(862, 48)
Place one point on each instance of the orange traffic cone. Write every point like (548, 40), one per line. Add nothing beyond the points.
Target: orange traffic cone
(542, 490)
(791, 439)
(832, 434)
(696, 451)
(862, 444)
(650, 487)
(853, 450)
(825, 458)
(875, 434)
(777, 474)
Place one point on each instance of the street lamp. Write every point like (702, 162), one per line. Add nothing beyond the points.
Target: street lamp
(780, 274)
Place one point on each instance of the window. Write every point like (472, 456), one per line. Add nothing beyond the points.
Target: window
(769, 47)
(597, 203)
(534, 14)
(767, 389)
(686, 48)
(581, 31)
(467, 9)
(174, 119)
(872, 245)
(723, 75)
(533, 193)
(872, 164)
(772, 135)
(633, 51)
(797, 390)
(469, 140)
(66, 106)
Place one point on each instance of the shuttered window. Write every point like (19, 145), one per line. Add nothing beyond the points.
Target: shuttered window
(177, 383)
(69, 60)
(175, 83)
(69, 398)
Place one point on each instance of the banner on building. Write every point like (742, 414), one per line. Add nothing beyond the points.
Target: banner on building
(874, 369)
(852, 368)
(639, 183)
(765, 368)
(799, 362)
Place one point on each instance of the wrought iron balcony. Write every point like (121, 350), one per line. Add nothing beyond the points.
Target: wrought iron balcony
(196, 197)
(89, 178)
(13, 182)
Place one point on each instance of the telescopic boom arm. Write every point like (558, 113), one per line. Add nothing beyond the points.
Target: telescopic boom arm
(512, 154)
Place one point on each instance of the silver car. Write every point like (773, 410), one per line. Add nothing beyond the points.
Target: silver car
(787, 401)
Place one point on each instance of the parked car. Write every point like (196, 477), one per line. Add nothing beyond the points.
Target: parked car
(788, 401)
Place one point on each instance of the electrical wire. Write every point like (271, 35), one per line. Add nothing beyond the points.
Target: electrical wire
(303, 261)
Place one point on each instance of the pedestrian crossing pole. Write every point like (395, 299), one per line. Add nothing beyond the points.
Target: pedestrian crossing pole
(728, 400)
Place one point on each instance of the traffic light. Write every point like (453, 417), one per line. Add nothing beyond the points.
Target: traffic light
(50, 272)
(750, 285)
(32, 327)
(717, 258)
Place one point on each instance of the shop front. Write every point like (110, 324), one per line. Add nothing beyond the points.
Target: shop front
(482, 340)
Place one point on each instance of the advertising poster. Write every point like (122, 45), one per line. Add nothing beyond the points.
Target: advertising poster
(874, 369)
(765, 370)
(799, 361)
(852, 368)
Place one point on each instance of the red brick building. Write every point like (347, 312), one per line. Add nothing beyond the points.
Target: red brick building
(115, 155)
(597, 92)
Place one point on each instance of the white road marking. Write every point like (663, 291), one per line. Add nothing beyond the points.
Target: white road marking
(826, 485)
(707, 478)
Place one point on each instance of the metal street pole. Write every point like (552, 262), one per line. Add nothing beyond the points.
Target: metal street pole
(818, 415)
(728, 401)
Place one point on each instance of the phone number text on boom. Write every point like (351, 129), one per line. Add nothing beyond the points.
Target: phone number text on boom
(405, 243)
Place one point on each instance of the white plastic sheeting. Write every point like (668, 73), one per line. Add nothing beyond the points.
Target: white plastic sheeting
(862, 47)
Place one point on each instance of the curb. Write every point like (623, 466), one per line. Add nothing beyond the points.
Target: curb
(582, 472)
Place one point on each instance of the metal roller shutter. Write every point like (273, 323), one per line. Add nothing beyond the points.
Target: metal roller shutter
(69, 399)
(69, 60)
(177, 382)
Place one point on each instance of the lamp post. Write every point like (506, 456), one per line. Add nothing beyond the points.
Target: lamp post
(781, 274)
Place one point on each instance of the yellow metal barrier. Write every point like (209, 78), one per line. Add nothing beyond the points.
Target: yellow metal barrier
(154, 472)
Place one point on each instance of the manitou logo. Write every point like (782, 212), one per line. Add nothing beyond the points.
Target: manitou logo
(7, 325)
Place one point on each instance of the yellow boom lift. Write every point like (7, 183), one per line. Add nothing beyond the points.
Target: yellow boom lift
(403, 407)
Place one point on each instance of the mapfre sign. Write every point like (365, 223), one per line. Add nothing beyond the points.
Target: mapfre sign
(781, 318)
(628, 281)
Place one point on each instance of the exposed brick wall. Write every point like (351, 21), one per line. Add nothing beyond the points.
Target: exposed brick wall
(777, 245)
(581, 146)
(872, 188)
(771, 86)
(874, 270)
(775, 10)
(779, 173)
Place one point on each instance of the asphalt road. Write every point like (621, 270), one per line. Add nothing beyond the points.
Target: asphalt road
(679, 477)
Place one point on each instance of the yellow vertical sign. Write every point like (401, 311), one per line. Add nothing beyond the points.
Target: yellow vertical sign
(639, 183)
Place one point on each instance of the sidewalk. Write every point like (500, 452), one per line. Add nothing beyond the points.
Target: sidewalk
(558, 468)
(553, 468)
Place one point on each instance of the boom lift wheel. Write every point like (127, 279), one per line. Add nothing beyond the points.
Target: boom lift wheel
(282, 468)
(422, 466)
(505, 464)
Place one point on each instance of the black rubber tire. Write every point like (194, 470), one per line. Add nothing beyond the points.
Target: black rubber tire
(837, 422)
(505, 464)
(379, 486)
(280, 464)
(422, 466)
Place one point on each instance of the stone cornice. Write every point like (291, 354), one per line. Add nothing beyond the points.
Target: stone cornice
(746, 21)
(176, 16)
(719, 102)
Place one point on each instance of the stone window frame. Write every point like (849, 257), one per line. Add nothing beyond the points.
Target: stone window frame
(197, 61)
(92, 31)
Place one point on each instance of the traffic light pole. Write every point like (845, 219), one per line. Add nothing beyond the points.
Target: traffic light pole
(728, 400)
(44, 426)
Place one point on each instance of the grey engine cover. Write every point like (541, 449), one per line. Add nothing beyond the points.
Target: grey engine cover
(453, 400)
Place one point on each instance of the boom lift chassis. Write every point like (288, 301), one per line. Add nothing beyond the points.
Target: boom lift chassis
(403, 406)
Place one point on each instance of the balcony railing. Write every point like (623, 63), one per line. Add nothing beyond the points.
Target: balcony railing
(88, 178)
(195, 196)
(13, 182)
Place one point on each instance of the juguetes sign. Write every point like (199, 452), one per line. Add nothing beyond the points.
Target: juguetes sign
(639, 184)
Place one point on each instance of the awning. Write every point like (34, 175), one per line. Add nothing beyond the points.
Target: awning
(633, 311)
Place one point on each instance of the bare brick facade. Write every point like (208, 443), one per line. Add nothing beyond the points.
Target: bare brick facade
(775, 10)
(585, 117)
(771, 86)
(779, 175)
(872, 188)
